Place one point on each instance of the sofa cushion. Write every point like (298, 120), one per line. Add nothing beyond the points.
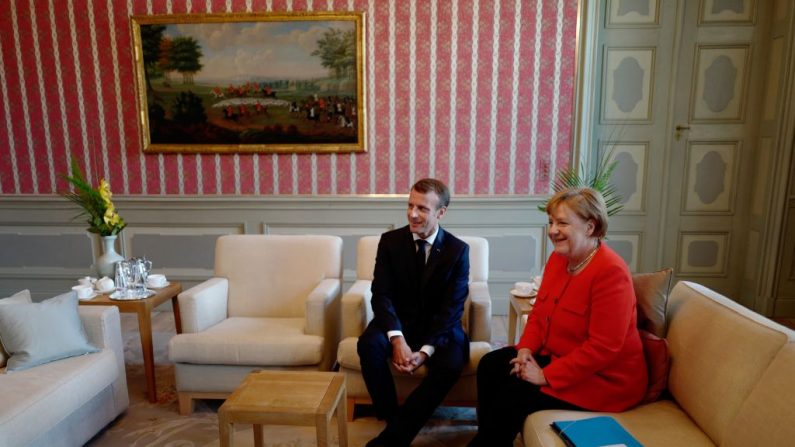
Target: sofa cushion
(37, 399)
(249, 341)
(36, 333)
(767, 416)
(655, 349)
(719, 350)
(21, 297)
(662, 423)
(651, 290)
(261, 271)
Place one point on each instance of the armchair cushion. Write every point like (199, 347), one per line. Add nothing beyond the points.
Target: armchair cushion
(250, 341)
(263, 271)
(655, 349)
(651, 291)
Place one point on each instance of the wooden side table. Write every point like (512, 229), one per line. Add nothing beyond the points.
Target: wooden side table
(520, 306)
(143, 308)
(286, 398)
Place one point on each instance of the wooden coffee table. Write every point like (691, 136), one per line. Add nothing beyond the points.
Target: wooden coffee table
(143, 308)
(286, 398)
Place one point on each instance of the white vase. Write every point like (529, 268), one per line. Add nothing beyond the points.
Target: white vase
(106, 263)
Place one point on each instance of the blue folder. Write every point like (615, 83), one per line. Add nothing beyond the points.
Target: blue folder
(594, 432)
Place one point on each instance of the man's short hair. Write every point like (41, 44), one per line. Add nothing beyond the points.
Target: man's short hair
(427, 185)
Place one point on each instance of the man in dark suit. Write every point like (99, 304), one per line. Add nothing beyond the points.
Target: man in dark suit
(419, 288)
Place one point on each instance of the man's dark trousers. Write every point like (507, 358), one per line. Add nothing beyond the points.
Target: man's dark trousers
(444, 368)
(426, 305)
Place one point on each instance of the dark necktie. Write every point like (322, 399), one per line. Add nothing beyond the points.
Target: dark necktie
(419, 257)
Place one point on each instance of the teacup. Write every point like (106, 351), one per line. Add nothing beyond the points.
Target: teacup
(156, 280)
(105, 284)
(83, 292)
(523, 288)
(86, 281)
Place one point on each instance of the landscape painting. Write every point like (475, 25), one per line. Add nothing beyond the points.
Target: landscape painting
(250, 82)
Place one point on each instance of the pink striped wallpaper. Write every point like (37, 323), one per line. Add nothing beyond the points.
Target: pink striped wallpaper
(478, 93)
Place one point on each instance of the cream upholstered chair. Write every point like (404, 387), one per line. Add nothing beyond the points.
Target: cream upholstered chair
(357, 313)
(273, 304)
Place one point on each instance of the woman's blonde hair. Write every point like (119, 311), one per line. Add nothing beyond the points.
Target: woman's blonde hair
(587, 203)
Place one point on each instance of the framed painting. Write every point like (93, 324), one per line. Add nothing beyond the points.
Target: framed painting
(253, 82)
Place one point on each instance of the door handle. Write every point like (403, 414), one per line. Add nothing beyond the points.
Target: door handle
(679, 129)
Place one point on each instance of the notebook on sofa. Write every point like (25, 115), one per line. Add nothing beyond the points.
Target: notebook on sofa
(599, 431)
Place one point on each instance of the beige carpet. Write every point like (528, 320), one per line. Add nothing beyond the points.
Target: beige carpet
(147, 424)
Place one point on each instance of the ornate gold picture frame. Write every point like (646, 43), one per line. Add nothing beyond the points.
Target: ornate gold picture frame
(254, 82)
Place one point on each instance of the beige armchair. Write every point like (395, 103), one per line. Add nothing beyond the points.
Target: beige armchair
(357, 313)
(273, 304)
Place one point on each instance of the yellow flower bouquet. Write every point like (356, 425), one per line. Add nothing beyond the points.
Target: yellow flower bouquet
(96, 203)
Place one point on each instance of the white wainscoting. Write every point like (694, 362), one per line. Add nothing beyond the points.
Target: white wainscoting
(45, 251)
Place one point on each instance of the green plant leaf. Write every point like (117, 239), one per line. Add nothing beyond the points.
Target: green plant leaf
(88, 198)
(598, 180)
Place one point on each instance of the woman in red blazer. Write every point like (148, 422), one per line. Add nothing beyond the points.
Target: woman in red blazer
(581, 348)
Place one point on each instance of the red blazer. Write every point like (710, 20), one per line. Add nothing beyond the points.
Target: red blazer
(587, 323)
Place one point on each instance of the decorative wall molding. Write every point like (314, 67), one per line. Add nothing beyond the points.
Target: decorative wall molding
(178, 234)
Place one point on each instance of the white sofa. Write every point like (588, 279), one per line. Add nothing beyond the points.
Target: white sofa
(731, 381)
(66, 402)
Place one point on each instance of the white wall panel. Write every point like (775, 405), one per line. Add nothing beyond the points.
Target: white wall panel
(178, 235)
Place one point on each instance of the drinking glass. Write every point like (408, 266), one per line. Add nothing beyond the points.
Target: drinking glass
(123, 276)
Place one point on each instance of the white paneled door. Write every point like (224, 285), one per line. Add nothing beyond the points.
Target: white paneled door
(682, 99)
(716, 109)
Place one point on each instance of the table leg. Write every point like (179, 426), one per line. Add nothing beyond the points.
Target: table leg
(259, 438)
(145, 329)
(225, 430)
(177, 316)
(511, 323)
(321, 427)
(342, 422)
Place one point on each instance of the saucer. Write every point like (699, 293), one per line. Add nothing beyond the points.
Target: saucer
(516, 293)
(90, 297)
(151, 286)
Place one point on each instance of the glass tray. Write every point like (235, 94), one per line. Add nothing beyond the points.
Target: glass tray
(131, 294)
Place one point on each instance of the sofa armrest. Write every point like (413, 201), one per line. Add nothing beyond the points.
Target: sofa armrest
(480, 312)
(356, 309)
(203, 305)
(321, 309)
(103, 330)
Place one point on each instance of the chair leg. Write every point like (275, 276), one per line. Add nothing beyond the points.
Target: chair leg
(185, 404)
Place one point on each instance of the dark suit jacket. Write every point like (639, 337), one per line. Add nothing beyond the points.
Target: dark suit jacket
(427, 310)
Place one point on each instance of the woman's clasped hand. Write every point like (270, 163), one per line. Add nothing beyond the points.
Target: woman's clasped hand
(526, 368)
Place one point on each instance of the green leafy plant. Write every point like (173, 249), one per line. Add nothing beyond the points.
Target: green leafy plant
(599, 180)
(98, 209)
